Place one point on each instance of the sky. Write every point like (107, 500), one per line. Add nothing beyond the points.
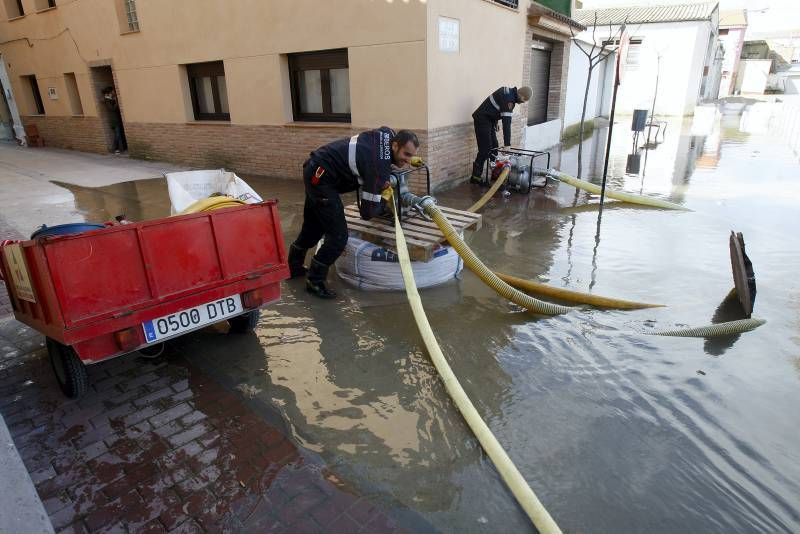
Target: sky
(777, 15)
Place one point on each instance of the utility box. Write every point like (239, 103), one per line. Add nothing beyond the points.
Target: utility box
(639, 120)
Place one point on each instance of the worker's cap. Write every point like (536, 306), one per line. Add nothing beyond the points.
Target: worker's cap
(524, 93)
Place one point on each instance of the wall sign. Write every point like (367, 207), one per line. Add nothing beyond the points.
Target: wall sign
(20, 279)
(449, 30)
(51, 92)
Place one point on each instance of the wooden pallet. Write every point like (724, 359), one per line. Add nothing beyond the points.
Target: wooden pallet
(422, 236)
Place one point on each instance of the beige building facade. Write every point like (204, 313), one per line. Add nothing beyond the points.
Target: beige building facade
(254, 85)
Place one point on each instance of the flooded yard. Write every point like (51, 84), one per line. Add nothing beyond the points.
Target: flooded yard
(615, 431)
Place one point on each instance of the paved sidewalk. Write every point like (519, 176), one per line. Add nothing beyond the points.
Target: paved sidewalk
(35, 182)
(157, 446)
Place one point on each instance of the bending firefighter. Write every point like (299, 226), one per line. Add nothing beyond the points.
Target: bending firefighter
(497, 106)
(364, 160)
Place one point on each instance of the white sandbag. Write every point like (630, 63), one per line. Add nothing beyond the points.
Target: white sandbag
(186, 188)
(368, 266)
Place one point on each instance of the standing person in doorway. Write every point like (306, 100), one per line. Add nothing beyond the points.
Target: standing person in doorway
(364, 160)
(110, 101)
(498, 105)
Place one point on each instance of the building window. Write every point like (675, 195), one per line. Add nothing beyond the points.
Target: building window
(41, 5)
(72, 92)
(130, 15)
(209, 91)
(507, 3)
(320, 83)
(633, 55)
(14, 8)
(634, 52)
(37, 97)
(127, 16)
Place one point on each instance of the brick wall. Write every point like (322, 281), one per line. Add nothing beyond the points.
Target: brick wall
(263, 150)
(75, 133)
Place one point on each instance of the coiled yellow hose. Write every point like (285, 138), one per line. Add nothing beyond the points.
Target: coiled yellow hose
(610, 193)
(484, 273)
(573, 296)
(212, 203)
(713, 330)
(508, 471)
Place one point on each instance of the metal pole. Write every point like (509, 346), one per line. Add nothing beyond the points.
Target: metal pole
(655, 94)
(610, 130)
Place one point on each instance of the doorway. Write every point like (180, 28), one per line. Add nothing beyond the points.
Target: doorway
(539, 82)
(108, 106)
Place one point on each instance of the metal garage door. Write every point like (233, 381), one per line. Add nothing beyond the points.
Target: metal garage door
(539, 82)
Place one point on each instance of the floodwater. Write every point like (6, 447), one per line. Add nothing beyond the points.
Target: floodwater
(615, 430)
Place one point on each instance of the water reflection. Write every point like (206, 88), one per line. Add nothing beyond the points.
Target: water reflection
(728, 310)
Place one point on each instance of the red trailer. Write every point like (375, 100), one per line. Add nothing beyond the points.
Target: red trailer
(107, 292)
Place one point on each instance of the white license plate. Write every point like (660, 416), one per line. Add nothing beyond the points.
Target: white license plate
(177, 323)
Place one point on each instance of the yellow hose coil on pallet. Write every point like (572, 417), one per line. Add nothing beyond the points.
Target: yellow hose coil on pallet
(508, 471)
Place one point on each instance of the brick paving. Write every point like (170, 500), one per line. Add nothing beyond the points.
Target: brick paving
(156, 445)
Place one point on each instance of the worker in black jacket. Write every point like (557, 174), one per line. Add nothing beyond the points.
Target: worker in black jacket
(364, 160)
(498, 105)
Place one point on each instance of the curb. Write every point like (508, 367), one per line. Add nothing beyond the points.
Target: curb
(21, 510)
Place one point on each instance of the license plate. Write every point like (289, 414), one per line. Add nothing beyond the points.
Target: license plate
(177, 323)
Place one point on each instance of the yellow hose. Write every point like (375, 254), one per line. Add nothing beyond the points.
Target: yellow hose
(508, 471)
(492, 190)
(550, 291)
(212, 203)
(484, 273)
(573, 296)
(713, 330)
(618, 195)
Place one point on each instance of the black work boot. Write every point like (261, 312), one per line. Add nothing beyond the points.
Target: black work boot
(297, 256)
(315, 283)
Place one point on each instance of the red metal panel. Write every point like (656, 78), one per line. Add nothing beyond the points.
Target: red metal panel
(246, 240)
(96, 343)
(182, 254)
(90, 285)
(96, 273)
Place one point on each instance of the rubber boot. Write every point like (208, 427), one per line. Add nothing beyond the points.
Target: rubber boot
(315, 283)
(475, 180)
(297, 256)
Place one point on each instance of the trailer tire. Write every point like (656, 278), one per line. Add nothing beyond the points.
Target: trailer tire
(242, 324)
(69, 369)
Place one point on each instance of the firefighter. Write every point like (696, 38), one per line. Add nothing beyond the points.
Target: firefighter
(364, 160)
(498, 105)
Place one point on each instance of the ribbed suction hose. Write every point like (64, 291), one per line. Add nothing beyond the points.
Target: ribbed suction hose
(610, 193)
(476, 265)
(713, 330)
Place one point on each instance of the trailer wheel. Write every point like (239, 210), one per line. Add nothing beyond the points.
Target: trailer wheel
(152, 351)
(68, 368)
(245, 323)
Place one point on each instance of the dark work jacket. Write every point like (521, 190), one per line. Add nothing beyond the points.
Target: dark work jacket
(499, 105)
(372, 158)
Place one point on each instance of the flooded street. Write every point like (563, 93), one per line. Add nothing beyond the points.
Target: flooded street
(614, 430)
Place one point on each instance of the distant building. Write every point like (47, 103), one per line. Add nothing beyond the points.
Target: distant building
(678, 43)
(732, 27)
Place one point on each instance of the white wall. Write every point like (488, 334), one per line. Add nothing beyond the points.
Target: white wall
(682, 46)
(599, 88)
(753, 74)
